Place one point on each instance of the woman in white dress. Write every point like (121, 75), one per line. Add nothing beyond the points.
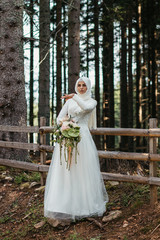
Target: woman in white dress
(78, 192)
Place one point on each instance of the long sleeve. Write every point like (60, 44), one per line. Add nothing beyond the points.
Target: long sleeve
(63, 112)
(87, 105)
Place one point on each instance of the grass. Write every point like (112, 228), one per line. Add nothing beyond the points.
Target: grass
(125, 238)
(133, 195)
(4, 219)
(24, 177)
(75, 236)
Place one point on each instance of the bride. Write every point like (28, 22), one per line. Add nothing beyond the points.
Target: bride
(78, 192)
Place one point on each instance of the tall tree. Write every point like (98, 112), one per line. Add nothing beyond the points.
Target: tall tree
(130, 77)
(31, 100)
(64, 48)
(138, 68)
(59, 54)
(123, 84)
(108, 66)
(96, 49)
(44, 70)
(153, 58)
(73, 43)
(13, 107)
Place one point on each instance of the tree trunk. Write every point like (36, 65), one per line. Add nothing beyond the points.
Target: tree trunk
(87, 43)
(13, 106)
(53, 87)
(59, 55)
(44, 74)
(73, 43)
(31, 100)
(149, 56)
(153, 57)
(138, 75)
(108, 80)
(130, 81)
(64, 50)
(123, 87)
(108, 66)
(96, 44)
(144, 77)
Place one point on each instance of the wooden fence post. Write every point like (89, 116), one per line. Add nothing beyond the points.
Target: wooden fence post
(43, 153)
(153, 164)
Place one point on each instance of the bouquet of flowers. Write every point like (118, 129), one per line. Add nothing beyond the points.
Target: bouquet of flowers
(67, 135)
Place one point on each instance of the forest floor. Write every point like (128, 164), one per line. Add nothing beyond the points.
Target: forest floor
(21, 213)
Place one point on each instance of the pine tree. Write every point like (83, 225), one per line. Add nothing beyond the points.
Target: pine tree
(13, 109)
(73, 43)
(44, 70)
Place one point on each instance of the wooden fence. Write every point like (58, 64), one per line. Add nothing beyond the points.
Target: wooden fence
(152, 133)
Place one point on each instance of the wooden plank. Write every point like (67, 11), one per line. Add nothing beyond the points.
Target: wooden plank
(153, 165)
(124, 155)
(19, 145)
(27, 129)
(106, 176)
(124, 178)
(116, 131)
(116, 154)
(129, 156)
(19, 164)
(45, 129)
(46, 148)
(120, 132)
(154, 181)
(43, 168)
(129, 178)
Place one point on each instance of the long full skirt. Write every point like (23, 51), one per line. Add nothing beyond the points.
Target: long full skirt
(78, 192)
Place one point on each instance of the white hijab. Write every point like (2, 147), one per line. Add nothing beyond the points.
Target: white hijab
(92, 123)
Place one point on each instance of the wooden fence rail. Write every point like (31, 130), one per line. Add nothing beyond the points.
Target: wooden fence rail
(153, 133)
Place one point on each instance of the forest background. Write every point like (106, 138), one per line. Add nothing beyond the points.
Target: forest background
(114, 43)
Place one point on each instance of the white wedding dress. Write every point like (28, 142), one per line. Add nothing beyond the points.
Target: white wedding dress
(80, 191)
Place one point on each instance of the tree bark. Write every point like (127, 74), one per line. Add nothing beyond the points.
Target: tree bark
(153, 58)
(130, 81)
(31, 100)
(59, 55)
(138, 75)
(44, 74)
(96, 48)
(87, 43)
(73, 43)
(13, 108)
(64, 50)
(123, 86)
(108, 66)
(149, 56)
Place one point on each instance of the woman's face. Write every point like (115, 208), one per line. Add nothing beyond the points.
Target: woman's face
(81, 87)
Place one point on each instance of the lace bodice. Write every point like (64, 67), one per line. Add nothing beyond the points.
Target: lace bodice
(78, 109)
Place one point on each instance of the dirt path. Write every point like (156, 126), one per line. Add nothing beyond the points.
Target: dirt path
(22, 209)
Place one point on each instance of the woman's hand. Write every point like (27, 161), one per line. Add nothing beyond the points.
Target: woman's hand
(67, 96)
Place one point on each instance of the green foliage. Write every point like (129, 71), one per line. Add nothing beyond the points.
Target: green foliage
(23, 177)
(20, 178)
(127, 194)
(75, 236)
(134, 195)
(4, 219)
(2, 168)
(125, 238)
